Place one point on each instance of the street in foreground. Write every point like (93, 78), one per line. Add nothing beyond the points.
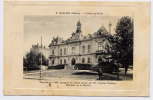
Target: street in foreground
(76, 74)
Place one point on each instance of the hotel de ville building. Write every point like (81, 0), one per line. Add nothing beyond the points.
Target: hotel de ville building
(80, 49)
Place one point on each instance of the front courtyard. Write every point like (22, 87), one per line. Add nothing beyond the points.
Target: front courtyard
(75, 74)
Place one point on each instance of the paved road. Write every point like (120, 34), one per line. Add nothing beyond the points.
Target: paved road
(75, 74)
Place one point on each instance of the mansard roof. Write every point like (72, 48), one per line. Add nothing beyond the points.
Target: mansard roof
(101, 32)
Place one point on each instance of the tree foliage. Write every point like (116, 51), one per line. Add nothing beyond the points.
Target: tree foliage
(32, 61)
(123, 41)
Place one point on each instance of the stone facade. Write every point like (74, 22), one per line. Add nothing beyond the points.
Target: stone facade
(79, 48)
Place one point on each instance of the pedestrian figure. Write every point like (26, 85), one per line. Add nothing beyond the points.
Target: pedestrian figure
(100, 70)
(100, 73)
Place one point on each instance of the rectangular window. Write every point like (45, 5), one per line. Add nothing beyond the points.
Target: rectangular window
(73, 50)
(61, 52)
(64, 51)
(89, 60)
(89, 48)
(100, 47)
(52, 52)
(83, 49)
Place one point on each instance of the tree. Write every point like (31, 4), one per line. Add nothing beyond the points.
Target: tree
(32, 61)
(123, 40)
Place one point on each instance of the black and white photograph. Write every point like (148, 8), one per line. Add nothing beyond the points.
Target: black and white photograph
(94, 48)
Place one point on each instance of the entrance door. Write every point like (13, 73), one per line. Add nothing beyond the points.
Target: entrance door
(73, 61)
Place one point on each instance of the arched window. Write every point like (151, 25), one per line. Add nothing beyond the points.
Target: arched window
(64, 61)
(83, 60)
(61, 61)
(73, 61)
(89, 60)
(52, 62)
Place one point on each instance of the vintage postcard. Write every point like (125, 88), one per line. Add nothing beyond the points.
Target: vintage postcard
(76, 48)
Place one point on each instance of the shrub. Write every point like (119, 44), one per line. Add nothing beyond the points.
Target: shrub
(32, 61)
(80, 66)
(61, 66)
(106, 67)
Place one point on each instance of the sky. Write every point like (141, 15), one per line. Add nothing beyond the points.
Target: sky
(62, 26)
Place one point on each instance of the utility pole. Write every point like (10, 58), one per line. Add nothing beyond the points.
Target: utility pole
(41, 59)
(41, 41)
